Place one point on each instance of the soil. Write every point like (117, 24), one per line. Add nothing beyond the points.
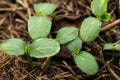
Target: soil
(14, 15)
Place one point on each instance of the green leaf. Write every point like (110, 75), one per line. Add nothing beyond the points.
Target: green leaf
(104, 4)
(74, 45)
(46, 8)
(105, 17)
(108, 46)
(90, 29)
(99, 7)
(39, 27)
(66, 34)
(86, 62)
(44, 47)
(96, 8)
(117, 46)
(13, 47)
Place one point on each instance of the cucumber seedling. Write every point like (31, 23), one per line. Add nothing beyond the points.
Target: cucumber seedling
(89, 31)
(39, 27)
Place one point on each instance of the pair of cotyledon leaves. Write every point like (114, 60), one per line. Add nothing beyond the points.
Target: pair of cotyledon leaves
(90, 27)
(39, 26)
(84, 60)
(39, 48)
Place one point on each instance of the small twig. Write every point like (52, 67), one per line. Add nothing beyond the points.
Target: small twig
(112, 72)
(69, 67)
(83, 5)
(27, 7)
(119, 5)
(22, 15)
(61, 75)
(116, 42)
(11, 9)
(111, 25)
(4, 17)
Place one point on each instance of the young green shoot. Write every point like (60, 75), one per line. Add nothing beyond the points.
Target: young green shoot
(113, 47)
(99, 9)
(39, 27)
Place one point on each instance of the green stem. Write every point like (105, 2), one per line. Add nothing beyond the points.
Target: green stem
(30, 62)
(113, 53)
(29, 58)
(46, 64)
